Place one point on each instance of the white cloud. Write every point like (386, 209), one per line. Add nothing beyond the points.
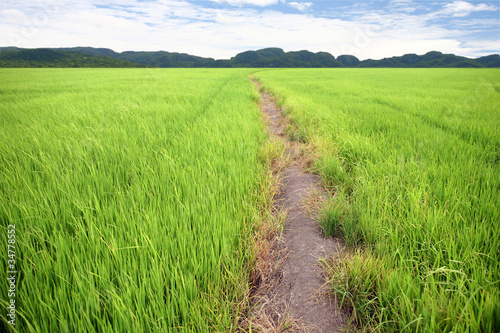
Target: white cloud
(462, 8)
(405, 6)
(260, 3)
(300, 5)
(181, 26)
(12, 16)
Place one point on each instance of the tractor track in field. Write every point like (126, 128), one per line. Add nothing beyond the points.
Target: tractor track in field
(295, 297)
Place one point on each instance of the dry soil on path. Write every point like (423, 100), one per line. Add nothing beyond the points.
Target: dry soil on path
(296, 294)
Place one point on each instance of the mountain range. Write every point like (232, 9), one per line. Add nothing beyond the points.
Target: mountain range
(268, 57)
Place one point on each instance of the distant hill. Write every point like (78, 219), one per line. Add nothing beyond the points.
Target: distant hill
(269, 57)
(433, 59)
(348, 60)
(489, 61)
(153, 59)
(274, 57)
(51, 58)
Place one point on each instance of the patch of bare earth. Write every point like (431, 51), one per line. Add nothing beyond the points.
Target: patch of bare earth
(292, 295)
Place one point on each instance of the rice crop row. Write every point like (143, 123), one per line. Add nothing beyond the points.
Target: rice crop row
(412, 156)
(133, 194)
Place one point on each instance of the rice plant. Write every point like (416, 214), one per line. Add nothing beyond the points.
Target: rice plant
(133, 193)
(414, 155)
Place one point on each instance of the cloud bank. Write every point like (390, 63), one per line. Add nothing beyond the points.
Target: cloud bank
(221, 28)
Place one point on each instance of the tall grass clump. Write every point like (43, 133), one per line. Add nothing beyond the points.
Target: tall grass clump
(133, 193)
(414, 156)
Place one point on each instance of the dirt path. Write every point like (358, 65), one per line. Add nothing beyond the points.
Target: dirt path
(295, 296)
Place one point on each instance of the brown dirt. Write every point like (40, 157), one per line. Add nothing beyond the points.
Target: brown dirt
(293, 298)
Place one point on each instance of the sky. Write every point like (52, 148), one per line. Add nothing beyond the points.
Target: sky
(222, 28)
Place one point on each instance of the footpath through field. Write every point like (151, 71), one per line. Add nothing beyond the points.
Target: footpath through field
(295, 298)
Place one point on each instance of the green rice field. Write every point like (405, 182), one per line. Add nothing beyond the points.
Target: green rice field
(132, 193)
(412, 156)
(136, 193)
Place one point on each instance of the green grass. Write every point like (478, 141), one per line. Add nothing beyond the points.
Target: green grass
(414, 155)
(133, 193)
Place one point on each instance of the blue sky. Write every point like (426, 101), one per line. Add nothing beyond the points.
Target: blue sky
(222, 28)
